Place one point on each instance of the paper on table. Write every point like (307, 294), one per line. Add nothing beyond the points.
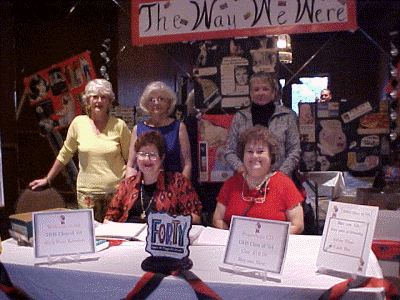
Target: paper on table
(119, 230)
(142, 235)
(213, 237)
(137, 231)
(195, 232)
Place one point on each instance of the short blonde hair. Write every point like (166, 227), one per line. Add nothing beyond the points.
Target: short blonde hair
(161, 88)
(266, 78)
(96, 87)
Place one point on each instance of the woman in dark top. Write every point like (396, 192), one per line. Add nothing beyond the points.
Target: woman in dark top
(151, 189)
(280, 120)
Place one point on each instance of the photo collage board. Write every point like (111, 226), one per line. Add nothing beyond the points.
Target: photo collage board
(223, 69)
(56, 92)
(221, 87)
(344, 136)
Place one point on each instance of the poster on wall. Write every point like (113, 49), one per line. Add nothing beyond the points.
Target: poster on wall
(56, 92)
(223, 69)
(212, 134)
(341, 136)
(155, 22)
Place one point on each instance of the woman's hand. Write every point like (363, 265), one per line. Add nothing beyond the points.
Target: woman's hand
(130, 171)
(38, 183)
(218, 217)
(296, 217)
(55, 169)
(240, 169)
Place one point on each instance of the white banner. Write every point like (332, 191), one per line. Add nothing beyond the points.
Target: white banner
(184, 20)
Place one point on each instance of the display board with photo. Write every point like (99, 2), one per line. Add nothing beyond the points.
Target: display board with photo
(212, 134)
(223, 69)
(56, 92)
(342, 136)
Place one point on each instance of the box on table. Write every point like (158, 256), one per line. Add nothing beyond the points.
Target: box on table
(22, 223)
(387, 199)
(386, 242)
(388, 250)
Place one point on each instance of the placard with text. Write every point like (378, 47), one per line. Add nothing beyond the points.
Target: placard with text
(347, 237)
(257, 244)
(63, 233)
(155, 22)
(167, 235)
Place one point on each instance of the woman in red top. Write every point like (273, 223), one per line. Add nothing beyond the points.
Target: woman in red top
(259, 192)
(151, 189)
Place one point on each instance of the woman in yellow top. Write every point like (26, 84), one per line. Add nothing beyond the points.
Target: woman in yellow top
(102, 142)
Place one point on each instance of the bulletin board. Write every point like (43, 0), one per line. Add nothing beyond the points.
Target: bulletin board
(223, 69)
(342, 136)
(221, 88)
(56, 92)
(212, 134)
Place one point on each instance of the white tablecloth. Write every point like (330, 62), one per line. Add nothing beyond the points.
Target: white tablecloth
(118, 269)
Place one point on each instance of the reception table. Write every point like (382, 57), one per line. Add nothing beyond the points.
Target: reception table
(114, 274)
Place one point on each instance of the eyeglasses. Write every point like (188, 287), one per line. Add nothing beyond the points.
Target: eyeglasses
(98, 97)
(158, 99)
(256, 199)
(264, 187)
(151, 156)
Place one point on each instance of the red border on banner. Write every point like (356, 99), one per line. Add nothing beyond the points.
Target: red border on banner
(351, 25)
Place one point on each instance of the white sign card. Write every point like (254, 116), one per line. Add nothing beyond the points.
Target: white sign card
(257, 244)
(63, 233)
(347, 237)
(168, 236)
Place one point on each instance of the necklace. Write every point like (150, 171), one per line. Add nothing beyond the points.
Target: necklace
(258, 185)
(144, 211)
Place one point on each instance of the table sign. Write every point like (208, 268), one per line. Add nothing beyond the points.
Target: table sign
(168, 243)
(256, 244)
(167, 235)
(347, 237)
(63, 233)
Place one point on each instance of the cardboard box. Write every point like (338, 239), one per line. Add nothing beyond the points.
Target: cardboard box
(22, 223)
(388, 199)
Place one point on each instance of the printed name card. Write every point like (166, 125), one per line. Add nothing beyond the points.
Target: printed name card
(347, 237)
(63, 233)
(257, 244)
(168, 236)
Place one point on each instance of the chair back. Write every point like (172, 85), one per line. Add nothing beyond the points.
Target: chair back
(30, 201)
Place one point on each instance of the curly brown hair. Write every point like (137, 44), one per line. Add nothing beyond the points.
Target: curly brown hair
(261, 134)
(152, 137)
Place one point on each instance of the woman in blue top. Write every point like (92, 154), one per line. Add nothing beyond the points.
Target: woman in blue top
(158, 101)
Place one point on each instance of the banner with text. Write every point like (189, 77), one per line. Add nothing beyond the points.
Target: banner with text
(155, 22)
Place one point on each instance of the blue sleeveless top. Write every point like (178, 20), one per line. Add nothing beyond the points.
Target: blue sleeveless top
(172, 161)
